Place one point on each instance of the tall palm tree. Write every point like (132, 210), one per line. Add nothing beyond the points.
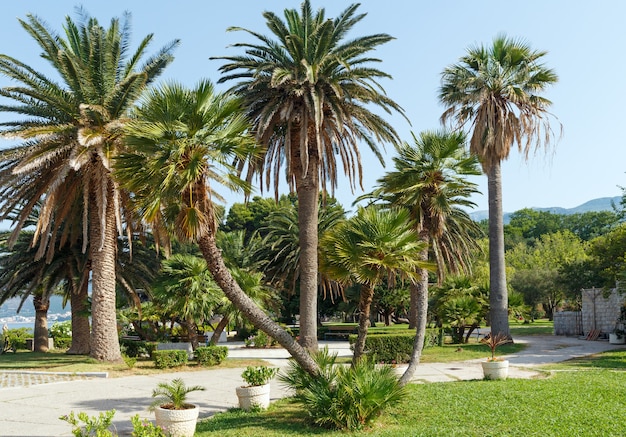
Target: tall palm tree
(373, 245)
(184, 142)
(430, 180)
(308, 91)
(71, 130)
(496, 92)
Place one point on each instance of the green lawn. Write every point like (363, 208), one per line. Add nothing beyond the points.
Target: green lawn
(582, 398)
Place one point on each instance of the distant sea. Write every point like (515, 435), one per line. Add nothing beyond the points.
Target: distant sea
(26, 317)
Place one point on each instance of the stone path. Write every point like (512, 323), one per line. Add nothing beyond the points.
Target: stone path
(20, 378)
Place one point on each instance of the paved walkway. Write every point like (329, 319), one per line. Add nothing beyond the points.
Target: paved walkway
(31, 402)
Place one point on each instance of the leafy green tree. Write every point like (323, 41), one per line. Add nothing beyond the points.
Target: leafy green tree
(496, 91)
(309, 92)
(591, 224)
(184, 142)
(430, 180)
(251, 216)
(373, 245)
(71, 129)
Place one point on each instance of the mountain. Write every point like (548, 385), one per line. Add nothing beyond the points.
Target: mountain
(600, 204)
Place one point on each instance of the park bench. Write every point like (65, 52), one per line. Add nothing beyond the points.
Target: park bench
(334, 332)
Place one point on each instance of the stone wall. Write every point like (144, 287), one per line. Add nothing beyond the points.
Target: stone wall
(568, 323)
(600, 309)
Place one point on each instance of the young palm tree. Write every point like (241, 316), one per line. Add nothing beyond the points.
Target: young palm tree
(309, 92)
(184, 143)
(372, 246)
(496, 91)
(430, 181)
(71, 130)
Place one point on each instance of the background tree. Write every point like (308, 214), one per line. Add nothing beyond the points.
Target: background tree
(184, 142)
(496, 91)
(70, 131)
(430, 181)
(372, 246)
(308, 93)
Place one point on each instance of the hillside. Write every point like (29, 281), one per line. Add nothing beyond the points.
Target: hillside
(600, 204)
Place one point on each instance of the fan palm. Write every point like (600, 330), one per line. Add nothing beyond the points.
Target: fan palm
(496, 91)
(430, 181)
(373, 245)
(308, 93)
(71, 130)
(184, 143)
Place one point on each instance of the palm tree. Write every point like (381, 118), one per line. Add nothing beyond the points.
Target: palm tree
(184, 142)
(309, 93)
(372, 246)
(186, 292)
(496, 91)
(430, 181)
(70, 132)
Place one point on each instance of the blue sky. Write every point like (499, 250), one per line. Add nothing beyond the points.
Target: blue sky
(585, 43)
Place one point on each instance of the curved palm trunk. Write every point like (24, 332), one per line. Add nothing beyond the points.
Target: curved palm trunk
(80, 318)
(243, 303)
(218, 330)
(365, 303)
(419, 295)
(307, 187)
(498, 297)
(105, 344)
(40, 340)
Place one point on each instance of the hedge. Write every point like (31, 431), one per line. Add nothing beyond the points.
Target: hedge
(166, 359)
(211, 355)
(394, 347)
(62, 342)
(137, 348)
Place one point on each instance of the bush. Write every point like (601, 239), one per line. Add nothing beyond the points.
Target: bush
(169, 358)
(257, 376)
(342, 397)
(61, 329)
(17, 337)
(387, 348)
(145, 428)
(86, 426)
(137, 348)
(211, 355)
(62, 342)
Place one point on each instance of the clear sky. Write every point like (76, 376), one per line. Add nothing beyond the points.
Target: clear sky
(585, 43)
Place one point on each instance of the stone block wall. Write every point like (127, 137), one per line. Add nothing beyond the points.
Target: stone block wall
(600, 310)
(568, 323)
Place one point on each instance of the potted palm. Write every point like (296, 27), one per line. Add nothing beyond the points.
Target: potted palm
(256, 394)
(173, 413)
(494, 367)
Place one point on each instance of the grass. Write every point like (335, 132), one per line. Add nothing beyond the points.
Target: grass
(538, 327)
(587, 400)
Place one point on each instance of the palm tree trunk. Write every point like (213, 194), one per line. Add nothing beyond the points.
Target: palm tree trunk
(192, 333)
(40, 340)
(419, 293)
(80, 318)
(307, 187)
(248, 308)
(365, 303)
(105, 344)
(498, 296)
(218, 330)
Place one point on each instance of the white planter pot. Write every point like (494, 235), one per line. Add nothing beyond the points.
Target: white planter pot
(256, 396)
(495, 369)
(177, 423)
(614, 339)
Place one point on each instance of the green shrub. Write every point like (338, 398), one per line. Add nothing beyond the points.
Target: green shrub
(137, 348)
(130, 361)
(62, 342)
(145, 428)
(211, 355)
(169, 358)
(394, 347)
(343, 397)
(17, 337)
(86, 426)
(61, 329)
(256, 376)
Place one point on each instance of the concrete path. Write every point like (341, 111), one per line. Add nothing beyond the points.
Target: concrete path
(33, 407)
